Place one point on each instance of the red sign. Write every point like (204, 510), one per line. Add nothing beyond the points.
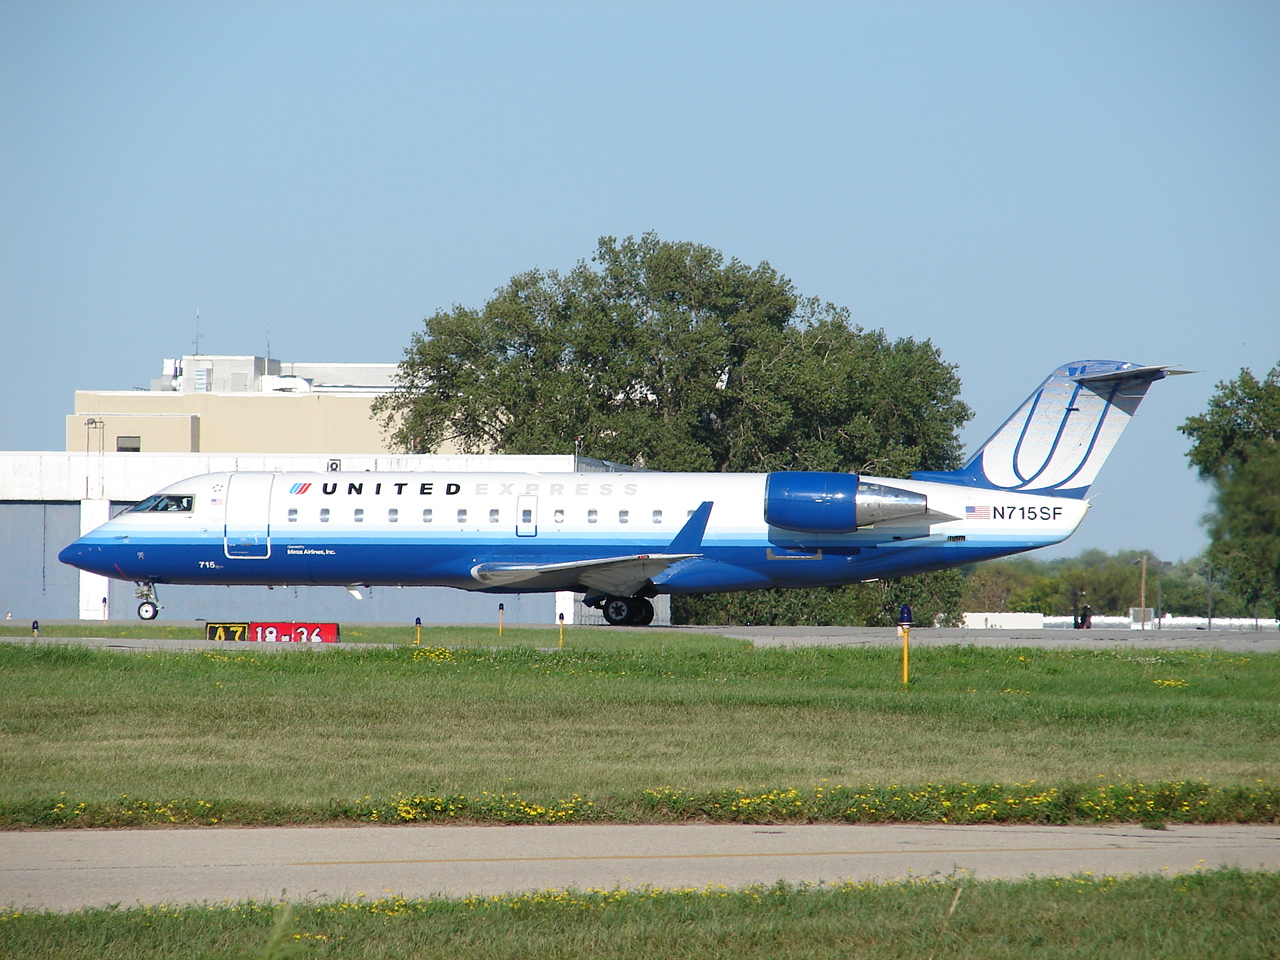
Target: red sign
(273, 632)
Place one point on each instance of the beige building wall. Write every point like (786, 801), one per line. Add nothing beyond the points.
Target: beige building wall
(168, 422)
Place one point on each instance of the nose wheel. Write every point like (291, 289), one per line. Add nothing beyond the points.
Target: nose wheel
(149, 608)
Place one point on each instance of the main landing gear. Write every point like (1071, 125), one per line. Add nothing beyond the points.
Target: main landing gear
(149, 608)
(627, 611)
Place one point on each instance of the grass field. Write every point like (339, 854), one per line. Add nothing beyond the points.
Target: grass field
(616, 719)
(1228, 915)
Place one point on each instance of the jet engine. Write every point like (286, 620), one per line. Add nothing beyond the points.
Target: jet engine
(811, 502)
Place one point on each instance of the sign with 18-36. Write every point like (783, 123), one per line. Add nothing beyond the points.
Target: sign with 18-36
(273, 632)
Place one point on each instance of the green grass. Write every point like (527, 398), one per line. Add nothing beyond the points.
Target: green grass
(1225, 914)
(609, 719)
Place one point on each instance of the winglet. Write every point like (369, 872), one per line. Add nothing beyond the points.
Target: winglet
(689, 539)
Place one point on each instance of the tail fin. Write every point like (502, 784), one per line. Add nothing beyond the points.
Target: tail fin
(1057, 441)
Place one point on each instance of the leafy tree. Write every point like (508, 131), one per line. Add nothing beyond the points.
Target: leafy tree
(665, 354)
(934, 598)
(1237, 447)
(669, 356)
(1110, 585)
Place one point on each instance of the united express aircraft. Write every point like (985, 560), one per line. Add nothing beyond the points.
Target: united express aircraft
(622, 538)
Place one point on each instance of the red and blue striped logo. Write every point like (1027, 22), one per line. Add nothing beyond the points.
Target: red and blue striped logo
(300, 488)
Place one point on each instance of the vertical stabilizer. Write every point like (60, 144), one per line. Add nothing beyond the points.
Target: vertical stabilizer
(1057, 441)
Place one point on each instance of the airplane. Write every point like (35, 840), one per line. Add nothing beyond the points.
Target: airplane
(621, 538)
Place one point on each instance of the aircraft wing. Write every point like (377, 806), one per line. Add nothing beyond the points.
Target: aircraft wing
(614, 576)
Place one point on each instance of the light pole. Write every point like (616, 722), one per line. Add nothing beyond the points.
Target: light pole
(1210, 577)
(1142, 591)
(93, 423)
(1160, 591)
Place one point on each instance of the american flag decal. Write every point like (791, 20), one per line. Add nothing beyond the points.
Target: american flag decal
(300, 488)
(977, 513)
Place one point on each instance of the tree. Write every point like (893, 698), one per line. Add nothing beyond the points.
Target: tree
(666, 355)
(1237, 448)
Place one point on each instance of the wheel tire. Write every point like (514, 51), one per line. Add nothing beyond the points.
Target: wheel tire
(644, 616)
(619, 611)
(148, 610)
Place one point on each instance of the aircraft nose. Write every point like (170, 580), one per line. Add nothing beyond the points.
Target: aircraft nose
(82, 556)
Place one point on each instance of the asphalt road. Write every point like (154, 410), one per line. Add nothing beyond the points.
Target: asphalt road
(65, 869)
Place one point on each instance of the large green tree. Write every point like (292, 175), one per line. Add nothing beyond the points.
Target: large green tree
(669, 356)
(1236, 446)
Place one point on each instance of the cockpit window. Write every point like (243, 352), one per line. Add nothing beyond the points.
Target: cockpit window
(165, 503)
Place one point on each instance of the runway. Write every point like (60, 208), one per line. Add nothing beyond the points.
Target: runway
(65, 869)
(1227, 641)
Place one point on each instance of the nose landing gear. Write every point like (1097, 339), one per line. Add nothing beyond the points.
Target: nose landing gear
(149, 608)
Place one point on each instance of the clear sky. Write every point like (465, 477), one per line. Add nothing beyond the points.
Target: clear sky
(1021, 183)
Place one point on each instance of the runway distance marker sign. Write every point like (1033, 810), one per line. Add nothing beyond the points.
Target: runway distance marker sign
(273, 632)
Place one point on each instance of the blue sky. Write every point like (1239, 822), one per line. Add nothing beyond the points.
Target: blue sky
(1021, 183)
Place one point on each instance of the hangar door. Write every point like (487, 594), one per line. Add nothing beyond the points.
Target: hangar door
(247, 534)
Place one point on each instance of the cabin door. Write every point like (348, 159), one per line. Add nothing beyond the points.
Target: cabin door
(247, 534)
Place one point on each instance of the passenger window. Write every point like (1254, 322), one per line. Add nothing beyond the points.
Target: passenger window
(559, 515)
(526, 515)
(462, 515)
(393, 515)
(324, 514)
(493, 516)
(624, 516)
(359, 514)
(293, 514)
(591, 515)
(657, 516)
(426, 515)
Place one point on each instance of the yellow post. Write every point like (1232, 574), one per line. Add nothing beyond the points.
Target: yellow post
(501, 607)
(904, 628)
(562, 631)
(417, 625)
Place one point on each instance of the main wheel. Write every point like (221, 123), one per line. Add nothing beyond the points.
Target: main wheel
(148, 610)
(620, 610)
(628, 611)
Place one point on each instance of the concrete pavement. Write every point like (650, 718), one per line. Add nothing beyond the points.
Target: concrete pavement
(64, 869)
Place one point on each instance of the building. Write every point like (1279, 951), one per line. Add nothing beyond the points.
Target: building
(203, 404)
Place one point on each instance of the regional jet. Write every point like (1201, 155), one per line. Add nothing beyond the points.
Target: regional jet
(624, 537)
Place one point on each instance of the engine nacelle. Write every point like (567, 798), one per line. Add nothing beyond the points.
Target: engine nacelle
(812, 502)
